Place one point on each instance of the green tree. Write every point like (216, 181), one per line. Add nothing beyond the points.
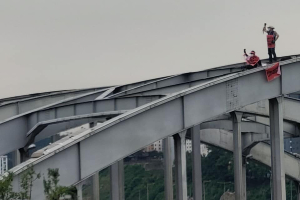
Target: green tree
(27, 179)
(52, 190)
(6, 189)
(217, 167)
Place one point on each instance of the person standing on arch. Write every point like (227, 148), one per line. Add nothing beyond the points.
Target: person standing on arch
(272, 37)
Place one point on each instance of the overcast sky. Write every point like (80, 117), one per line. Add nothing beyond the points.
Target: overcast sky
(66, 44)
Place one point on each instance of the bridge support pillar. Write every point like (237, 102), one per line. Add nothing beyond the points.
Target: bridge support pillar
(96, 192)
(298, 189)
(168, 164)
(244, 170)
(237, 155)
(196, 156)
(95, 177)
(117, 181)
(277, 148)
(79, 191)
(180, 166)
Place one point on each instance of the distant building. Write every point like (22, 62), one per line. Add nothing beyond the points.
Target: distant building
(3, 164)
(158, 146)
(188, 145)
(292, 145)
(204, 150)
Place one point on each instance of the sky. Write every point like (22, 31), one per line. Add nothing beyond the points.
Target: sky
(49, 45)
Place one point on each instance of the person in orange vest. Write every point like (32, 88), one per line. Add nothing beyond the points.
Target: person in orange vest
(272, 37)
(252, 60)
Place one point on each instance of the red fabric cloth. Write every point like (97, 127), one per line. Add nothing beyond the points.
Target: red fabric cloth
(273, 72)
(252, 60)
(270, 39)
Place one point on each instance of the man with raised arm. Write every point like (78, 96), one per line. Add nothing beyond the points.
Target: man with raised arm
(252, 60)
(272, 37)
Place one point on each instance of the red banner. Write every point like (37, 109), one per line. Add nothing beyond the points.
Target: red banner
(253, 60)
(273, 72)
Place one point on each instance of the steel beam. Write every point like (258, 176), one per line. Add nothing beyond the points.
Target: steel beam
(277, 148)
(196, 156)
(117, 181)
(168, 167)
(176, 82)
(180, 166)
(15, 99)
(66, 123)
(12, 109)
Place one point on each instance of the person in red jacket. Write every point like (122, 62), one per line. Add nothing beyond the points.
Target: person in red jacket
(272, 37)
(252, 60)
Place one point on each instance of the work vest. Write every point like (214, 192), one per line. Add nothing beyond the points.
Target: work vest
(271, 39)
(252, 60)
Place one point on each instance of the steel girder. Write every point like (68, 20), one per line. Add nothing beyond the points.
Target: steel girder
(14, 109)
(34, 95)
(127, 133)
(13, 132)
(22, 125)
(185, 80)
(66, 123)
(24, 104)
